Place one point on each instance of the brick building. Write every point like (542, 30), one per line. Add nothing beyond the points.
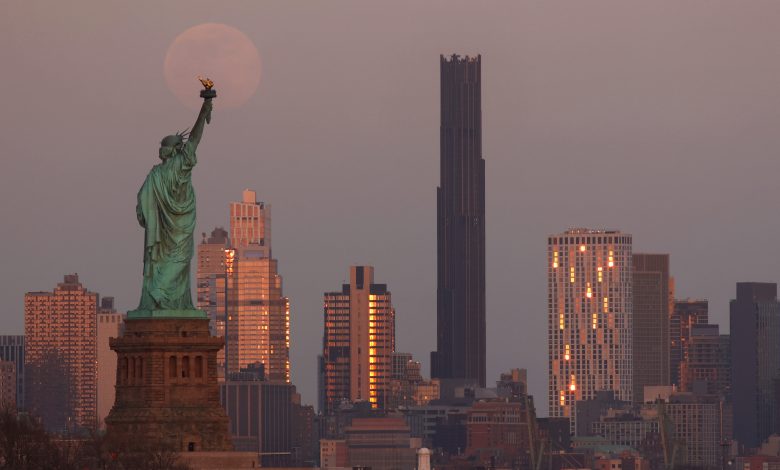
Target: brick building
(61, 355)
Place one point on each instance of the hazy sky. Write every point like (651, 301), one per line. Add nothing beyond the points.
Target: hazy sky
(656, 118)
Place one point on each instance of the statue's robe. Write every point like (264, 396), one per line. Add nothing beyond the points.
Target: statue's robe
(166, 209)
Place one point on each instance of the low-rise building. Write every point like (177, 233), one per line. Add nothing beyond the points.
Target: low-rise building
(381, 444)
(261, 415)
(498, 433)
(626, 428)
(333, 453)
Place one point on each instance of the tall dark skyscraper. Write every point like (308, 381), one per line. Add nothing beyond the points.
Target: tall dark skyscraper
(460, 315)
(652, 300)
(755, 361)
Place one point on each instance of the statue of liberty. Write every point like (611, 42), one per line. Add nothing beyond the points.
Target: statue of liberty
(166, 210)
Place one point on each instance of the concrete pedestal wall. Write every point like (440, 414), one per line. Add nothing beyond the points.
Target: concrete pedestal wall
(167, 387)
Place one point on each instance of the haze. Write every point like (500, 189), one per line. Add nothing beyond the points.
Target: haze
(656, 118)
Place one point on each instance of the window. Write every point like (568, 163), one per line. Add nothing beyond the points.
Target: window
(172, 367)
(124, 371)
(199, 366)
(185, 367)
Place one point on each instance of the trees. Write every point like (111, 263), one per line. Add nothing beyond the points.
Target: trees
(25, 445)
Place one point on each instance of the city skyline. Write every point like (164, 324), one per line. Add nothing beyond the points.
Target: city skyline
(570, 94)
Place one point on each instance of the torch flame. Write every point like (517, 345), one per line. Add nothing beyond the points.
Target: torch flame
(207, 83)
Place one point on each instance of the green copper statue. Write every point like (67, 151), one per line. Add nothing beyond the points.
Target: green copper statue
(166, 210)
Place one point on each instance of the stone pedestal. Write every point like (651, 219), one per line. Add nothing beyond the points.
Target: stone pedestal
(166, 386)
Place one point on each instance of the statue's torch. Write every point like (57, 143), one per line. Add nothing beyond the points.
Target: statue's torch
(208, 92)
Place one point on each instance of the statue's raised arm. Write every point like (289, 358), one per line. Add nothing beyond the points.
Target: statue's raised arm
(204, 117)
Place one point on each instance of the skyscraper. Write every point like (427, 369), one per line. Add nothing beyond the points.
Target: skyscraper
(61, 354)
(241, 269)
(652, 302)
(250, 223)
(258, 327)
(755, 359)
(460, 312)
(358, 341)
(589, 317)
(685, 315)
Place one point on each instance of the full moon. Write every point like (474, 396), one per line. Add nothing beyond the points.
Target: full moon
(216, 51)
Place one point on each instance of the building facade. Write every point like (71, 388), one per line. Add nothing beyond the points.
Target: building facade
(12, 349)
(258, 328)
(381, 444)
(261, 417)
(109, 325)
(333, 453)
(591, 411)
(755, 359)
(652, 304)
(706, 367)
(589, 317)
(625, 428)
(7, 385)
(61, 355)
(214, 268)
(239, 287)
(696, 422)
(686, 314)
(167, 389)
(460, 317)
(407, 386)
(358, 341)
(497, 433)
(250, 223)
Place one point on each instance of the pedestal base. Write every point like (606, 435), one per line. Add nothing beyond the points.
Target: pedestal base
(166, 387)
(220, 460)
(188, 313)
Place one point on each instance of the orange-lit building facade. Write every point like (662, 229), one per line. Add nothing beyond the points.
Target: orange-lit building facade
(687, 313)
(258, 328)
(589, 317)
(250, 223)
(61, 355)
(358, 341)
(259, 324)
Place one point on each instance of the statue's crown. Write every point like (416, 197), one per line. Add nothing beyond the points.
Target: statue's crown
(175, 139)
